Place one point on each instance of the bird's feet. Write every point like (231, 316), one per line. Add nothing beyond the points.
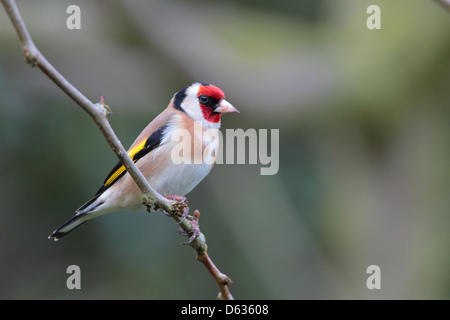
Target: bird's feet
(182, 211)
(194, 232)
(181, 207)
(176, 198)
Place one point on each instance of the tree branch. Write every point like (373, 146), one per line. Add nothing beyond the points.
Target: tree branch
(99, 113)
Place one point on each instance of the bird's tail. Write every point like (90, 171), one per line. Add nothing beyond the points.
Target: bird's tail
(83, 214)
(68, 226)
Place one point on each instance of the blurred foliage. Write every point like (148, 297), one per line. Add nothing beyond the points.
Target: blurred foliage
(364, 124)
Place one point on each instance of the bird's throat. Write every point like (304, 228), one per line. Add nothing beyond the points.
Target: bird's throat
(210, 115)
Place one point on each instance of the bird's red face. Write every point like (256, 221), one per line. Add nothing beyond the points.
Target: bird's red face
(208, 97)
(202, 101)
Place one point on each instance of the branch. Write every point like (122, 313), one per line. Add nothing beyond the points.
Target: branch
(99, 112)
(222, 279)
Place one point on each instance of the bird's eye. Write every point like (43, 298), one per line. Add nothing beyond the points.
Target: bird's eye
(203, 99)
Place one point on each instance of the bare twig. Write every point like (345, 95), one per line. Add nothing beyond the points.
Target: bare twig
(222, 279)
(99, 113)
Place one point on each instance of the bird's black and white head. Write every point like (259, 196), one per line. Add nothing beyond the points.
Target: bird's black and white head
(203, 102)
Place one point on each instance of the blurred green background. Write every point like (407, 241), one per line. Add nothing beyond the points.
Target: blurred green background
(364, 120)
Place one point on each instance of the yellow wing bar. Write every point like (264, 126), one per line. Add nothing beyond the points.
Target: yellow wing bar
(132, 152)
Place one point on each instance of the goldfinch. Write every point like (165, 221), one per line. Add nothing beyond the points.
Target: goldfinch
(194, 110)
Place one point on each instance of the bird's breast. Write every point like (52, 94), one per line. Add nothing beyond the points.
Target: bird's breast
(182, 162)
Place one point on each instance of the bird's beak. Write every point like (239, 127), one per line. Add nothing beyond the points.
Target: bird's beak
(225, 107)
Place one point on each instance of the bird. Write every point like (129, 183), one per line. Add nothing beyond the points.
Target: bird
(192, 111)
